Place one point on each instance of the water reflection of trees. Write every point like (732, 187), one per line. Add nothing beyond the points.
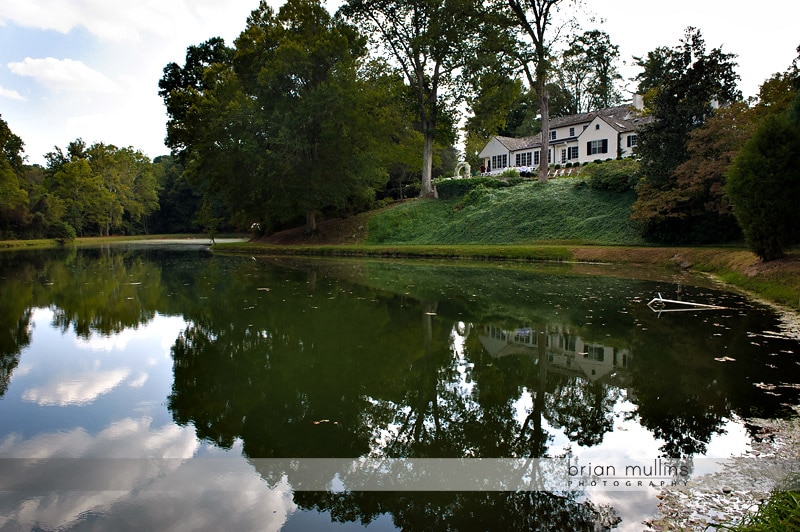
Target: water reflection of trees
(464, 510)
(16, 306)
(345, 372)
(300, 363)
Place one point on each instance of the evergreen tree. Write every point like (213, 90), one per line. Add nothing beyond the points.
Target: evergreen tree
(764, 184)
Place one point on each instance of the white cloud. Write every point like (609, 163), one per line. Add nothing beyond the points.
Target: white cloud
(139, 381)
(130, 21)
(156, 482)
(11, 94)
(64, 74)
(79, 389)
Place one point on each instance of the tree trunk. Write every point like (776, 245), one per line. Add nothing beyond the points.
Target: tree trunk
(544, 108)
(427, 190)
(311, 222)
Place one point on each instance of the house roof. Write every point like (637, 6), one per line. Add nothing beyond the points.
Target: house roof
(514, 144)
(622, 118)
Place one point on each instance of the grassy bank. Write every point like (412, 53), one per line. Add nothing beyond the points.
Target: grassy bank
(531, 212)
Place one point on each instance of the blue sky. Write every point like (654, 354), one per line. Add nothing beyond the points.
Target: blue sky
(90, 68)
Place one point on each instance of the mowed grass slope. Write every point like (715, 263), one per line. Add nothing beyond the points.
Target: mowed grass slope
(562, 210)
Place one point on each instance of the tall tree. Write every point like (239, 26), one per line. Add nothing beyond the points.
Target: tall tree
(285, 124)
(321, 111)
(101, 188)
(763, 182)
(430, 41)
(535, 19)
(695, 82)
(589, 71)
(697, 205)
(181, 88)
(653, 72)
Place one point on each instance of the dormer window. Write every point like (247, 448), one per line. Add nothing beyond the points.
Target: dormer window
(552, 134)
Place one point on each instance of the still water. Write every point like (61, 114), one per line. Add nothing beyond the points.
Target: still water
(147, 387)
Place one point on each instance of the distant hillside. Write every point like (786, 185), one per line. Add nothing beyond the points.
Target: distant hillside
(564, 210)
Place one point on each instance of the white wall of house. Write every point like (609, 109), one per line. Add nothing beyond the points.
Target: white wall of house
(492, 155)
(599, 141)
(628, 141)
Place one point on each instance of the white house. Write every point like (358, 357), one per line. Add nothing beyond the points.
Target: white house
(565, 351)
(577, 139)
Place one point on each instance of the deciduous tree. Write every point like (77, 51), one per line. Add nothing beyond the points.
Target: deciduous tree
(589, 72)
(13, 197)
(695, 82)
(431, 42)
(286, 123)
(535, 20)
(697, 206)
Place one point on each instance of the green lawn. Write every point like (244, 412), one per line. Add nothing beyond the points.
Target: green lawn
(562, 210)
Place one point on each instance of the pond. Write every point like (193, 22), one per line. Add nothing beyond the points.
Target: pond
(164, 387)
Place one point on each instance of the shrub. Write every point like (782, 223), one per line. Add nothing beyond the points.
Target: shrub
(616, 176)
(509, 173)
(412, 190)
(63, 232)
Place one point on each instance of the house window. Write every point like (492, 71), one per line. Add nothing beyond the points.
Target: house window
(597, 126)
(549, 156)
(536, 158)
(633, 140)
(552, 134)
(595, 352)
(594, 147)
(523, 159)
(572, 132)
(573, 153)
(563, 155)
(570, 343)
(499, 161)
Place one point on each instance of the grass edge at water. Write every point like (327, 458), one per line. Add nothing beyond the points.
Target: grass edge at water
(781, 512)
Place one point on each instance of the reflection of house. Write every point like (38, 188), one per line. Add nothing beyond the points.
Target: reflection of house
(576, 139)
(564, 350)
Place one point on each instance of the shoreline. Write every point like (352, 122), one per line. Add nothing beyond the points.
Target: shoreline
(776, 283)
(724, 498)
